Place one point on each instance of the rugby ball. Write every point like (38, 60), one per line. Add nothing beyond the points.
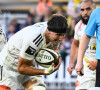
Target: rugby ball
(45, 57)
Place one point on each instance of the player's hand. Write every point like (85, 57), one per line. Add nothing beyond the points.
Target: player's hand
(92, 64)
(49, 70)
(52, 67)
(57, 67)
(79, 69)
(70, 68)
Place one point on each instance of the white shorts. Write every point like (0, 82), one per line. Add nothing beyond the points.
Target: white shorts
(14, 79)
(84, 84)
(87, 80)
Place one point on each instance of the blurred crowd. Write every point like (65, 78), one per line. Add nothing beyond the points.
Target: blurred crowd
(41, 13)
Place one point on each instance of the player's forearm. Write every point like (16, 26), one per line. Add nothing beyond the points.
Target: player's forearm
(28, 70)
(26, 67)
(74, 51)
(73, 55)
(82, 47)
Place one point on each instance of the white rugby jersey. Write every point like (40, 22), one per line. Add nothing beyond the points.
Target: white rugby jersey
(89, 54)
(25, 43)
(2, 42)
(91, 49)
(2, 39)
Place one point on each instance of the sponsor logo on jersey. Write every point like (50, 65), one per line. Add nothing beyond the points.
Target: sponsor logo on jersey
(30, 50)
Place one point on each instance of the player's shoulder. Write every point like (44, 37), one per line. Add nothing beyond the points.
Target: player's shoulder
(38, 27)
(40, 24)
(78, 25)
(36, 31)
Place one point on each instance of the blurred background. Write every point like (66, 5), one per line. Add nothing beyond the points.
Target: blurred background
(17, 14)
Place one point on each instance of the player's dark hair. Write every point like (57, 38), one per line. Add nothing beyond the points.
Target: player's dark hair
(57, 23)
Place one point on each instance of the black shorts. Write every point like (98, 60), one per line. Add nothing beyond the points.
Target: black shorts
(97, 84)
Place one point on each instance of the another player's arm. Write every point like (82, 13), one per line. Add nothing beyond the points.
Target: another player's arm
(82, 48)
(73, 55)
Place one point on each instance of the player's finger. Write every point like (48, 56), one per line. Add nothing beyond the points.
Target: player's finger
(80, 73)
(59, 60)
(87, 61)
(57, 67)
(69, 70)
(90, 67)
(52, 64)
(56, 51)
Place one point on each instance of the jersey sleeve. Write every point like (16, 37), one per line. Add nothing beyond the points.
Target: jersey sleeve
(29, 47)
(91, 26)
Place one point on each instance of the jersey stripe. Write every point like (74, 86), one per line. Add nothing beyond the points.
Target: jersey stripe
(38, 40)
